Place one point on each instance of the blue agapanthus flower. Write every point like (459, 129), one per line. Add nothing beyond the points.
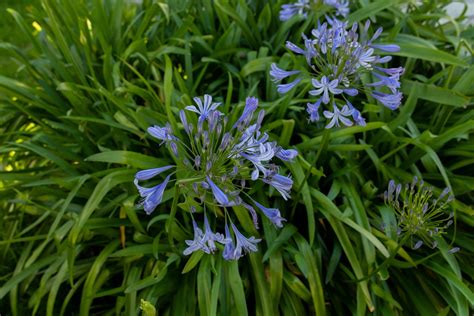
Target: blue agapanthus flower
(302, 7)
(337, 58)
(218, 159)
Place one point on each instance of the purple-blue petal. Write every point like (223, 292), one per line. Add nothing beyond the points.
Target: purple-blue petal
(251, 104)
(153, 199)
(278, 74)
(229, 248)
(390, 48)
(351, 91)
(284, 88)
(219, 195)
(286, 154)
(272, 214)
(150, 173)
(294, 48)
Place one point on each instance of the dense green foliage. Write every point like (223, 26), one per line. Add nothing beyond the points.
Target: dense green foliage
(8, 32)
(93, 75)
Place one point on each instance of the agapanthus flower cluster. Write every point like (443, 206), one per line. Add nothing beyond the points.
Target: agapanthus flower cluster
(218, 159)
(421, 217)
(302, 7)
(338, 58)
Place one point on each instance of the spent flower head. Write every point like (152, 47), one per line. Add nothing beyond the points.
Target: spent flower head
(421, 216)
(302, 7)
(337, 58)
(217, 161)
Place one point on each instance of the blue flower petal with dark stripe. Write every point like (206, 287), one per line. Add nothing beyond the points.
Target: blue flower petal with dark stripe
(284, 88)
(390, 48)
(229, 248)
(162, 133)
(281, 183)
(285, 154)
(279, 74)
(243, 244)
(219, 195)
(272, 214)
(150, 173)
(391, 101)
(251, 104)
(197, 243)
(203, 109)
(210, 238)
(152, 196)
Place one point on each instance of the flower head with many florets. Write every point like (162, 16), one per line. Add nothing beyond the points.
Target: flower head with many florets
(217, 161)
(338, 58)
(302, 7)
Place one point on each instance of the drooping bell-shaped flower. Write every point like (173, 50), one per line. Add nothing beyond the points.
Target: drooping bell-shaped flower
(197, 243)
(272, 214)
(243, 244)
(152, 196)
